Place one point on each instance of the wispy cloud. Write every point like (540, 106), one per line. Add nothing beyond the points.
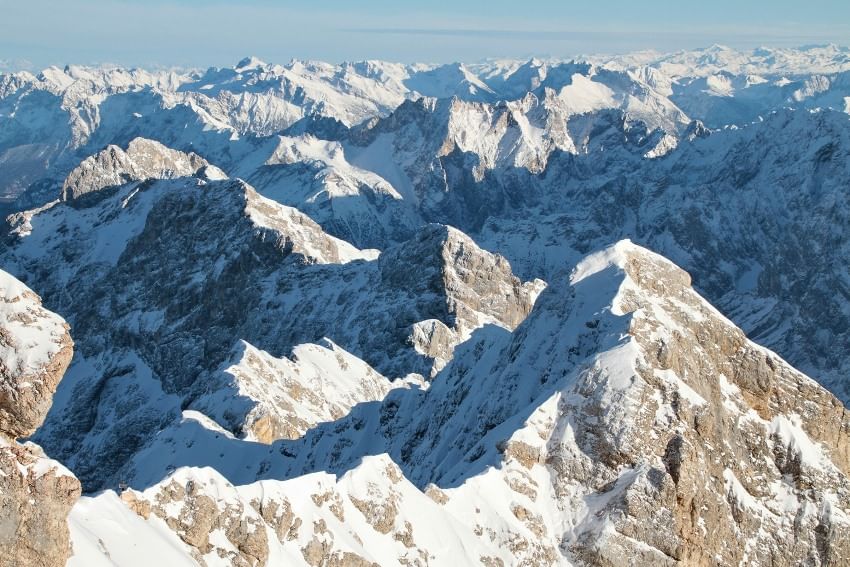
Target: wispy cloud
(754, 34)
(204, 32)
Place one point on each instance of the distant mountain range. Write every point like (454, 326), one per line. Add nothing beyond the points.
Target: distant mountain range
(375, 313)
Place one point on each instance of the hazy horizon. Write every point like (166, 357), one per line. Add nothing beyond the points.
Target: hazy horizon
(15, 65)
(196, 33)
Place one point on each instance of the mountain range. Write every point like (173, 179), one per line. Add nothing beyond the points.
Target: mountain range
(545, 312)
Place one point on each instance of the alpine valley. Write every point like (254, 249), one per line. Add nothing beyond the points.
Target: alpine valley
(546, 312)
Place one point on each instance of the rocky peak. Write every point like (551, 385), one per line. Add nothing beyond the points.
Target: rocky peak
(625, 421)
(36, 493)
(143, 159)
(250, 63)
(664, 433)
(35, 350)
(422, 114)
(467, 286)
(709, 439)
(696, 129)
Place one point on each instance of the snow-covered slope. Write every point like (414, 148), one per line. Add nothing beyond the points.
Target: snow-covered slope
(54, 119)
(350, 202)
(198, 271)
(375, 313)
(626, 419)
(828, 58)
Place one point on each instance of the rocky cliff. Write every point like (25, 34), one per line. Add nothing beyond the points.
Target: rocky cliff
(36, 493)
(625, 422)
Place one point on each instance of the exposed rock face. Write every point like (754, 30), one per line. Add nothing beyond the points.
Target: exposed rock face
(473, 284)
(143, 159)
(36, 493)
(624, 422)
(35, 351)
(297, 232)
(36, 496)
(746, 213)
(456, 282)
(567, 153)
(370, 517)
(740, 456)
(199, 515)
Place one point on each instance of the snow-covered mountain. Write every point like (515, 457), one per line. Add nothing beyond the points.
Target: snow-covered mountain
(375, 313)
(625, 420)
(52, 120)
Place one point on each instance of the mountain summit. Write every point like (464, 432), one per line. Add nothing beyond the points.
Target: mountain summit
(625, 419)
(545, 312)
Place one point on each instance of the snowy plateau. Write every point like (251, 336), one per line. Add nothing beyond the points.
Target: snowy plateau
(585, 312)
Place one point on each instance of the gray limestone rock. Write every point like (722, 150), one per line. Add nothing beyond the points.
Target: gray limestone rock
(36, 493)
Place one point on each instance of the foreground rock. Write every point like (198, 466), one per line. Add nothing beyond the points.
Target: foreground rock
(36, 493)
(717, 452)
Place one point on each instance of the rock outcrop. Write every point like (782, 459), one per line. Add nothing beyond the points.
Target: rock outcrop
(143, 159)
(36, 493)
(35, 350)
(264, 398)
(460, 286)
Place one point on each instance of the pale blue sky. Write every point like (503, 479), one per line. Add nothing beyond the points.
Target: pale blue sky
(220, 32)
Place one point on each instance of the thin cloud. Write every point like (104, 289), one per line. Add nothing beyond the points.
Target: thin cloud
(587, 35)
